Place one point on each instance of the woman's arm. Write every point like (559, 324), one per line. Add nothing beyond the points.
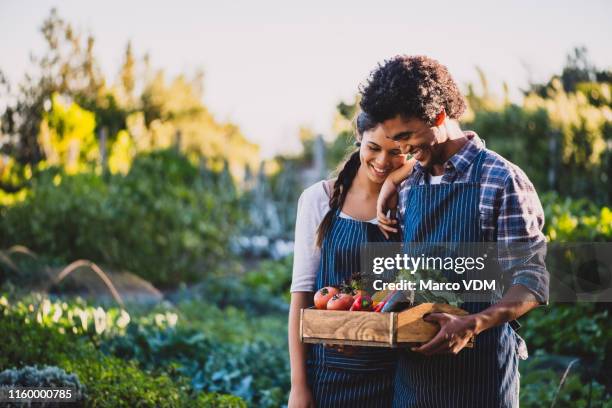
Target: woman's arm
(312, 206)
(300, 395)
(387, 198)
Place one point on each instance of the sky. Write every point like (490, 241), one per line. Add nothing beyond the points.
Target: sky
(272, 66)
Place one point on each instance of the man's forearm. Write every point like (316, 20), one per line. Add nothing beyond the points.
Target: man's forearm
(515, 303)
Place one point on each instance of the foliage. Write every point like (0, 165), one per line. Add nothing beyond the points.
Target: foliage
(167, 220)
(540, 387)
(578, 70)
(271, 277)
(45, 376)
(579, 220)
(559, 134)
(109, 381)
(519, 136)
(233, 324)
(213, 346)
(228, 291)
(42, 129)
(255, 372)
(586, 336)
(67, 67)
(212, 399)
(67, 136)
(78, 317)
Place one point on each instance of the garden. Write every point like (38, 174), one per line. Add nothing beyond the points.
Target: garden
(145, 249)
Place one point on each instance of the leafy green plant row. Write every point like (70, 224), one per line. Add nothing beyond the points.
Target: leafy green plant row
(109, 381)
(560, 382)
(169, 219)
(226, 351)
(576, 220)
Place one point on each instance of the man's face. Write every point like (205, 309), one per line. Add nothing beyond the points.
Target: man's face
(416, 138)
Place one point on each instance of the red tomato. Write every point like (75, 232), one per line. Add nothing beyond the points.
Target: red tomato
(342, 301)
(323, 295)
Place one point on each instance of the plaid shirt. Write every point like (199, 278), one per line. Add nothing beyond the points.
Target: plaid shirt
(510, 210)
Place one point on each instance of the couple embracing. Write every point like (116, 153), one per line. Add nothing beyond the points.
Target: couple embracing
(453, 189)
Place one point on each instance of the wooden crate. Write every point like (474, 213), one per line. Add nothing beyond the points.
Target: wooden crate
(373, 329)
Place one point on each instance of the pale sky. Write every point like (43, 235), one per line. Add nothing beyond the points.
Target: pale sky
(271, 66)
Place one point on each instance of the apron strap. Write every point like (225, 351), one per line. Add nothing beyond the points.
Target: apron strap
(416, 180)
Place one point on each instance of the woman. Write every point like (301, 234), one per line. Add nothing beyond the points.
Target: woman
(335, 217)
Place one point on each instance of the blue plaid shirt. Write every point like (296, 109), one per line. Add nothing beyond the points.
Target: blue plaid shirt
(510, 210)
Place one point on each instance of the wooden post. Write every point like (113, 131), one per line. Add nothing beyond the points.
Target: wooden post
(177, 140)
(102, 136)
(552, 151)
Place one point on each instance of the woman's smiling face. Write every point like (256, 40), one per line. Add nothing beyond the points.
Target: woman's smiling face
(379, 155)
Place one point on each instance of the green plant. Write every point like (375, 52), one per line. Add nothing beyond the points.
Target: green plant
(256, 371)
(570, 220)
(169, 219)
(109, 381)
(271, 277)
(215, 400)
(569, 329)
(46, 376)
(564, 388)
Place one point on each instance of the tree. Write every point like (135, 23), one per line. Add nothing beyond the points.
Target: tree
(67, 67)
(127, 74)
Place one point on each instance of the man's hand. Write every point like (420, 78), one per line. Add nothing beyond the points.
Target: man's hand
(455, 332)
(387, 200)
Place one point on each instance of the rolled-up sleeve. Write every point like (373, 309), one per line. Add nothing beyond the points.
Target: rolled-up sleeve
(306, 257)
(519, 232)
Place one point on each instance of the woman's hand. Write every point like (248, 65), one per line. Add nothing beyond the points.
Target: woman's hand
(300, 397)
(455, 332)
(387, 200)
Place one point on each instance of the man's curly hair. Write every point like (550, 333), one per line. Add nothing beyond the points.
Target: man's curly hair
(412, 87)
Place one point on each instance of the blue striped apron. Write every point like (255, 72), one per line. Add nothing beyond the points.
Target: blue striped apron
(365, 377)
(482, 377)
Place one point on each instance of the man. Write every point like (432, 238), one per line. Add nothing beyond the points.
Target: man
(459, 191)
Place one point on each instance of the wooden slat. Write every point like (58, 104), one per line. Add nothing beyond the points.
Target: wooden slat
(393, 328)
(339, 342)
(372, 329)
(302, 325)
(342, 325)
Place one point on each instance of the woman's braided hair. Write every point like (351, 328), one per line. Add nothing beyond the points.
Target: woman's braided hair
(346, 175)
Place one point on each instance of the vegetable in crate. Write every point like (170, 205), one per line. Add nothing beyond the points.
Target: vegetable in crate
(398, 301)
(341, 301)
(362, 303)
(323, 296)
(381, 298)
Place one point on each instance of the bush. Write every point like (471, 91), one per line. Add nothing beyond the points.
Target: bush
(154, 348)
(541, 386)
(271, 277)
(256, 372)
(108, 381)
(46, 376)
(214, 400)
(569, 329)
(580, 220)
(167, 220)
